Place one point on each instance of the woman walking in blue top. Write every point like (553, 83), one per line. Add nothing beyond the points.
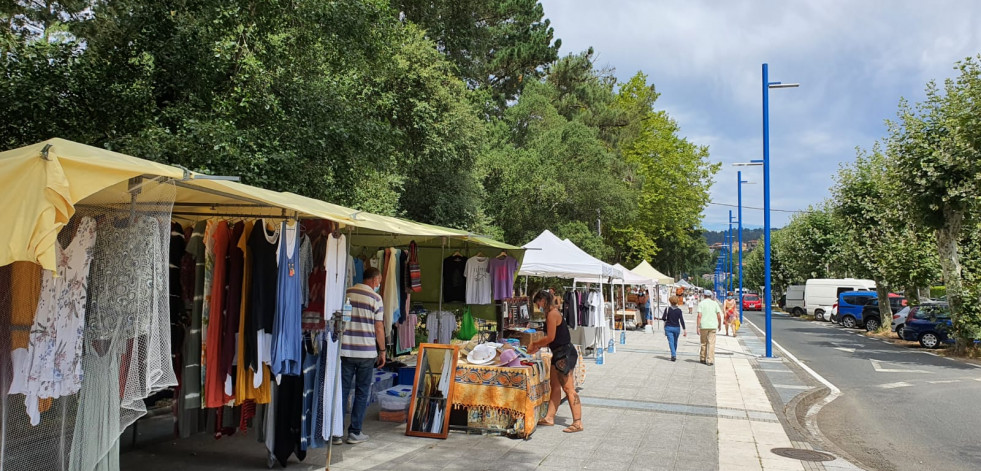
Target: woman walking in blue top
(674, 325)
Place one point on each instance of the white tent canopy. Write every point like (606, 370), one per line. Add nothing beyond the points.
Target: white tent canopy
(645, 269)
(631, 278)
(685, 284)
(610, 271)
(548, 255)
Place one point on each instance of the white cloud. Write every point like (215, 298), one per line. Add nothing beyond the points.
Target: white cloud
(854, 61)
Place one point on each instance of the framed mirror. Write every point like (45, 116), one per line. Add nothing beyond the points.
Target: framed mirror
(432, 391)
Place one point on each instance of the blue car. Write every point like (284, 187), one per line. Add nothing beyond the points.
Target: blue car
(928, 324)
(850, 304)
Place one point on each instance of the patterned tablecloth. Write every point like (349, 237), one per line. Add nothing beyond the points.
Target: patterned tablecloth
(502, 398)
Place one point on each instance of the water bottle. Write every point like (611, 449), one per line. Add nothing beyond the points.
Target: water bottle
(623, 338)
(610, 348)
(346, 312)
(599, 356)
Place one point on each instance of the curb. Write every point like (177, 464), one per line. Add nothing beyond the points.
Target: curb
(807, 405)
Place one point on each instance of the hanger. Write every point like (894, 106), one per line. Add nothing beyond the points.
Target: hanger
(503, 254)
(479, 254)
(456, 254)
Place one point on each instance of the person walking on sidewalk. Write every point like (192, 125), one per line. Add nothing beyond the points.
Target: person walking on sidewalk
(709, 322)
(691, 303)
(564, 358)
(730, 312)
(674, 324)
(362, 349)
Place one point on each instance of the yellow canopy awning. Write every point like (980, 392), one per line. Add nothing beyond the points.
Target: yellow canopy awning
(647, 271)
(41, 184)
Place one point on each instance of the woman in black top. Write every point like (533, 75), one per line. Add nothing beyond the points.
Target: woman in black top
(564, 358)
(674, 324)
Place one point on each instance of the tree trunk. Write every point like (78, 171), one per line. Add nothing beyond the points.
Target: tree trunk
(912, 295)
(947, 245)
(885, 309)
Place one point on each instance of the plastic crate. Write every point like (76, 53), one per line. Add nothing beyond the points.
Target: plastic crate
(407, 375)
(396, 398)
(381, 381)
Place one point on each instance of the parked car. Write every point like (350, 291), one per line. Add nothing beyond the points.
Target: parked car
(826, 291)
(752, 302)
(823, 313)
(833, 317)
(850, 304)
(928, 324)
(870, 312)
(899, 321)
(794, 300)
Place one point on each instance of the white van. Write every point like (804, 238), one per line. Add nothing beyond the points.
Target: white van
(794, 300)
(824, 291)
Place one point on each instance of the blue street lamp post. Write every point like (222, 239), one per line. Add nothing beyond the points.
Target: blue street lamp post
(739, 206)
(767, 295)
(728, 286)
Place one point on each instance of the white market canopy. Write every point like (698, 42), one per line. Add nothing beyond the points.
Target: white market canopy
(548, 255)
(646, 270)
(610, 271)
(631, 278)
(685, 284)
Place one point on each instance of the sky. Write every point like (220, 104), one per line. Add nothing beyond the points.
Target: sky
(854, 61)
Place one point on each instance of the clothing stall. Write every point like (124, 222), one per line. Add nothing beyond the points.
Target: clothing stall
(589, 321)
(130, 287)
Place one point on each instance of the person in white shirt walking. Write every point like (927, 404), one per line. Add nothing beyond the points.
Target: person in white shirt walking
(709, 322)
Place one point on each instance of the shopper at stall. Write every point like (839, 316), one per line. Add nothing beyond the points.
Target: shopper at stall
(644, 307)
(362, 348)
(709, 322)
(564, 358)
(674, 325)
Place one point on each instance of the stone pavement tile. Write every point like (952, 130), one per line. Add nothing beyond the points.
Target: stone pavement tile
(738, 454)
(561, 461)
(781, 464)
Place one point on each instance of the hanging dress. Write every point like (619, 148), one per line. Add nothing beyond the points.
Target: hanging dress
(214, 380)
(262, 299)
(287, 354)
(52, 366)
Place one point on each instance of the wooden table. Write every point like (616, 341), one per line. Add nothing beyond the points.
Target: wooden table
(502, 399)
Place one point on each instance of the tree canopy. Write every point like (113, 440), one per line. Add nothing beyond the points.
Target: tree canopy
(454, 113)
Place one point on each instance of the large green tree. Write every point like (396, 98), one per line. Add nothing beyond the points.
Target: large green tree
(674, 175)
(336, 100)
(496, 45)
(935, 144)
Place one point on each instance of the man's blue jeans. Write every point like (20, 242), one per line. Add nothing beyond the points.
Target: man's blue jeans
(673, 333)
(356, 373)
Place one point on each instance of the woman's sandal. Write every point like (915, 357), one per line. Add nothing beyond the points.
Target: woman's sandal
(573, 428)
(545, 423)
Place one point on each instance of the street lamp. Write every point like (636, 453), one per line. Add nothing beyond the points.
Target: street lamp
(732, 265)
(767, 296)
(739, 205)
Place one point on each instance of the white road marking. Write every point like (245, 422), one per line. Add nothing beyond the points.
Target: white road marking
(791, 386)
(901, 384)
(877, 366)
(945, 381)
(847, 350)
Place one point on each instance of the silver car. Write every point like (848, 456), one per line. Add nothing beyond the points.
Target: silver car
(899, 321)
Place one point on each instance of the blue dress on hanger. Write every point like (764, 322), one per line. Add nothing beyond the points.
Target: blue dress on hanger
(287, 338)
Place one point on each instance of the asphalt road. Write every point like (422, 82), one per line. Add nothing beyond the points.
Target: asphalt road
(900, 409)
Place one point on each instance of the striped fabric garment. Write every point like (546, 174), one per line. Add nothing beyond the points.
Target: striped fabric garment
(366, 309)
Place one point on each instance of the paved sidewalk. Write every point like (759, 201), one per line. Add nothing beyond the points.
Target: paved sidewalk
(640, 411)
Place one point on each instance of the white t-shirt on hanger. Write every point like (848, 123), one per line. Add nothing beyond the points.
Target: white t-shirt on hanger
(478, 281)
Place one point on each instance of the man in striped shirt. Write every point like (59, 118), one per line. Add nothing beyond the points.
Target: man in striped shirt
(362, 348)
